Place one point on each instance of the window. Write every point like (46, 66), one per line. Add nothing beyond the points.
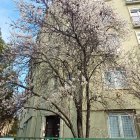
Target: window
(116, 79)
(132, 1)
(135, 15)
(121, 126)
(138, 37)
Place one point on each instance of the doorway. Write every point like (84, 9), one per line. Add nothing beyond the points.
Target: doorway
(52, 126)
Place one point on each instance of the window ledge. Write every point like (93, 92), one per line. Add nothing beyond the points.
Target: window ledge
(136, 25)
(117, 88)
(132, 2)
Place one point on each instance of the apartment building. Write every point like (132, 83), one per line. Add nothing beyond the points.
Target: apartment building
(112, 122)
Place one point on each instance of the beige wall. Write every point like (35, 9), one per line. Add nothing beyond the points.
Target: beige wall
(123, 10)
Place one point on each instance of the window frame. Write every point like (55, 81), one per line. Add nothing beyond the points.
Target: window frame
(138, 37)
(130, 12)
(132, 1)
(119, 115)
(115, 78)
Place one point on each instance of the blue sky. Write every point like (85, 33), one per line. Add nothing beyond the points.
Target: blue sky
(8, 12)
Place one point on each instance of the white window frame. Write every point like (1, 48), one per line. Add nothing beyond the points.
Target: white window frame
(135, 24)
(138, 37)
(119, 115)
(115, 81)
(132, 1)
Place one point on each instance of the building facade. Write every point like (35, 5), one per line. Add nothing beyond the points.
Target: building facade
(115, 121)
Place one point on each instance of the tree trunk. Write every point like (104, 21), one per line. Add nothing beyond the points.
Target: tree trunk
(88, 111)
(79, 124)
(80, 110)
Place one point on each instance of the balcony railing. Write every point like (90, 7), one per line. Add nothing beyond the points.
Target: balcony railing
(132, 1)
(51, 138)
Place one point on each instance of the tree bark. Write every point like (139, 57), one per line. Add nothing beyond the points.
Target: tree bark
(79, 124)
(80, 110)
(88, 107)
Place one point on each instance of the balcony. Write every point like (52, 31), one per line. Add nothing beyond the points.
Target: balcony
(132, 1)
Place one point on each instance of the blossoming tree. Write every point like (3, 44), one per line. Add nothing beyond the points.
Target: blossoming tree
(68, 44)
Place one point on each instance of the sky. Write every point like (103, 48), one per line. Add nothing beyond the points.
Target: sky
(8, 13)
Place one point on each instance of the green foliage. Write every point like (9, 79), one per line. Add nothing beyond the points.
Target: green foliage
(7, 105)
(2, 43)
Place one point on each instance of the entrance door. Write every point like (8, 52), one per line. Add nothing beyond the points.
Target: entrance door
(52, 126)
